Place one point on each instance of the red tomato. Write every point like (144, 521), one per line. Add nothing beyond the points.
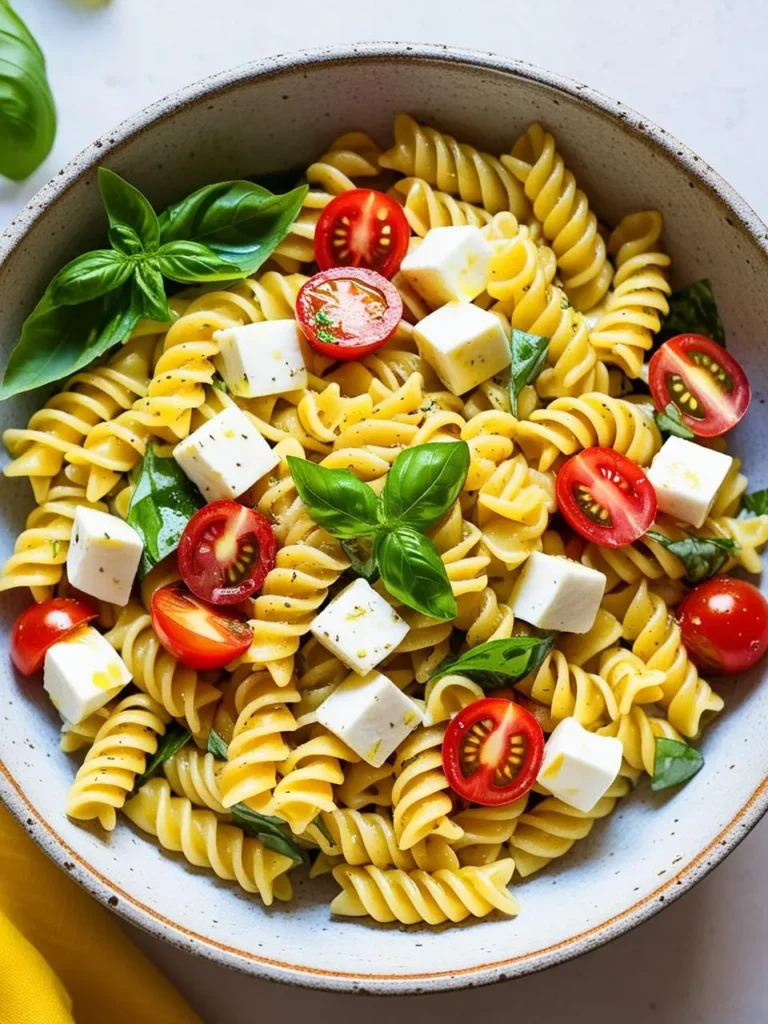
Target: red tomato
(362, 228)
(347, 313)
(492, 751)
(195, 633)
(709, 388)
(605, 497)
(41, 626)
(725, 625)
(225, 552)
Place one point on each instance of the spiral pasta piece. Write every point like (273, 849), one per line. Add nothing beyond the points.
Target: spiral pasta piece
(76, 735)
(513, 510)
(446, 696)
(482, 617)
(118, 755)
(630, 679)
(750, 536)
(490, 438)
(426, 208)
(486, 830)
(644, 559)
(420, 799)
(209, 843)
(366, 786)
(196, 776)
(582, 648)
(638, 732)
(570, 692)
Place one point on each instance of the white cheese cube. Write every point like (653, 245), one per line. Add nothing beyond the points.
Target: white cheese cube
(359, 627)
(686, 478)
(81, 673)
(557, 593)
(579, 766)
(261, 359)
(225, 456)
(103, 556)
(450, 265)
(465, 344)
(371, 715)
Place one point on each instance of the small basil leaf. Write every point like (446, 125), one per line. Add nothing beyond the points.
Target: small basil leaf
(149, 280)
(188, 262)
(671, 422)
(336, 499)
(423, 484)
(284, 845)
(162, 503)
(529, 353)
(693, 310)
(127, 207)
(175, 737)
(89, 277)
(27, 111)
(220, 384)
(499, 663)
(412, 571)
(755, 504)
(217, 746)
(702, 556)
(323, 830)
(240, 221)
(125, 240)
(268, 830)
(363, 564)
(675, 762)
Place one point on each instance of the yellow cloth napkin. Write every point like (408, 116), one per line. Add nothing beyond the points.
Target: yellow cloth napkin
(63, 959)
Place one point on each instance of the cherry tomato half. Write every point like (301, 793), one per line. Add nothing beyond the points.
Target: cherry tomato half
(225, 552)
(41, 626)
(195, 633)
(492, 751)
(724, 623)
(709, 388)
(605, 497)
(362, 228)
(346, 313)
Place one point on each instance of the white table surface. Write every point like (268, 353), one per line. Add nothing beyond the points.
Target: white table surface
(698, 69)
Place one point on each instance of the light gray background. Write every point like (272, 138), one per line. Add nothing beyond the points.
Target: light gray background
(698, 68)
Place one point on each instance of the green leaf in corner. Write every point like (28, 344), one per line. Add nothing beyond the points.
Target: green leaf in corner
(423, 484)
(163, 502)
(755, 504)
(268, 830)
(175, 737)
(702, 556)
(128, 208)
(529, 353)
(217, 746)
(335, 498)
(675, 762)
(362, 563)
(89, 277)
(671, 422)
(413, 572)
(499, 663)
(693, 310)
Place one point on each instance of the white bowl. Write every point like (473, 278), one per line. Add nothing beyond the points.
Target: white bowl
(277, 114)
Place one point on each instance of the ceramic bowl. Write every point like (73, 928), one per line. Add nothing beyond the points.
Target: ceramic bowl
(276, 114)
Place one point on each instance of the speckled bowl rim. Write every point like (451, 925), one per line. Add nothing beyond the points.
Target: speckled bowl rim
(735, 210)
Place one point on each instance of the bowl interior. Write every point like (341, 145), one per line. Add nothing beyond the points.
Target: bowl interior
(276, 116)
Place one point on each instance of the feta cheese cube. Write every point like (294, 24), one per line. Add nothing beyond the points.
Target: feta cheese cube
(359, 627)
(557, 593)
(450, 265)
(371, 715)
(687, 477)
(103, 556)
(225, 456)
(579, 766)
(261, 359)
(81, 673)
(465, 344)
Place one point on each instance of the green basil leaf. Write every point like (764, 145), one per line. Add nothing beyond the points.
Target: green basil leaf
(413, 572)
(693, 310)
(219, 384)
(423, 484)
(529, 354)
(675, 762)
(499, 663)
(268, 830)
(175, 737)
(217, 746)
(149, 280)
(89, 277)
(671, 422)
(162, 503)
(125, 240)
(702, 556)
(188, 262)
(755, 504)
(127, 207)
(362, 562)
(336, 499)
(240, 221)
(322, 828)
(27, 111)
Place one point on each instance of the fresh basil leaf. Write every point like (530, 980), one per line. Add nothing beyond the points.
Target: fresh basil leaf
(529, 353)
(240, 221)
(755, 504)
(175, 737)
(423, 484)
(693, 310)
(499, 663)
(149, 280)
(188, 262)
(219, 384)
(127, 207)
(89, 277)
(162, 503)
(671, 422)
(336, 499)
(702, 556)
(675, 762)
(268, 830)
(217, 746)
(322, 828)
(27, 111)
(413, 572)
(363, 564)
